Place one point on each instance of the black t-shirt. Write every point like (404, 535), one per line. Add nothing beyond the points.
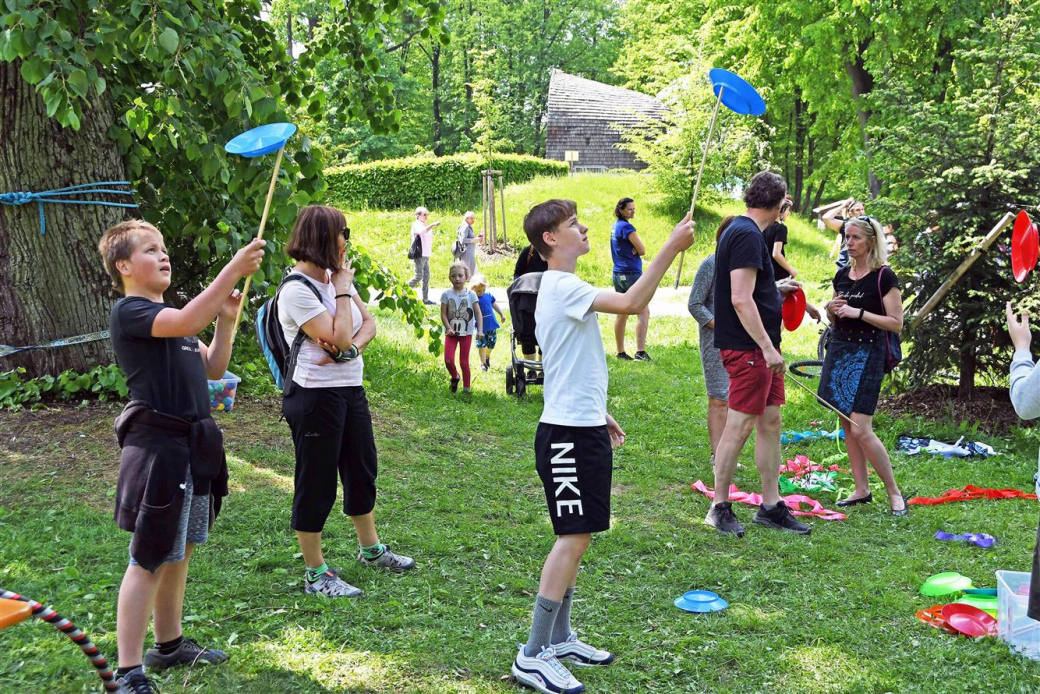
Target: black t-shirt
(742, 246)
(529, 261)
(862, 293)
(777, 231)
(165, 372)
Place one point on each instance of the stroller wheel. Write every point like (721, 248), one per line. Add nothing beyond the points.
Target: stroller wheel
(521, 385)
(509, 380)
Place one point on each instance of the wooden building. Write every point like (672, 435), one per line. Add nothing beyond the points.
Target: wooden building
(588, 117)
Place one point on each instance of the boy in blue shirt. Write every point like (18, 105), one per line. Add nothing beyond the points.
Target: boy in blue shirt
(573, 445)
(488, 309)
(173, 473)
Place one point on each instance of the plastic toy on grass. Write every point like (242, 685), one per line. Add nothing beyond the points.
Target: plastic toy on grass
(945, 583)
(700, 601)
(15, 608)
(968, 620)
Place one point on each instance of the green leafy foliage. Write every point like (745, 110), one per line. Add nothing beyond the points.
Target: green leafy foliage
(100, 383)
(954, 167)
(426, 180)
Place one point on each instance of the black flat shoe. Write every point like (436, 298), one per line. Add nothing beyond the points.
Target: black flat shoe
(903, 512)
(845, 503)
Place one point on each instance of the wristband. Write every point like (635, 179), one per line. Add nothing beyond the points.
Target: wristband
(861, 313)
(349, 296)
(350, 354)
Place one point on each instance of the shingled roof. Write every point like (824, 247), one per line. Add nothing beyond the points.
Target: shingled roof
(588, 116)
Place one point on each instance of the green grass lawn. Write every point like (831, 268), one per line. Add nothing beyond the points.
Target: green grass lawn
(833, 612)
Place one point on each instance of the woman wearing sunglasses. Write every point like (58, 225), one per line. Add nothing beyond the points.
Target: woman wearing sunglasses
(325, 403)
(866, 304)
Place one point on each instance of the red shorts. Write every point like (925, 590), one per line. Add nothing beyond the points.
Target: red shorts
(752, 386)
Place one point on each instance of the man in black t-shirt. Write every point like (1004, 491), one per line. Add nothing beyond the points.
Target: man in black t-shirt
(747, 335)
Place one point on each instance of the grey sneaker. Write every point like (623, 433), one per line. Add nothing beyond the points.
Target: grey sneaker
(623, 356)
(188, 653)
(781, 518)
(389, 561)
(641, 355)
(135, 682)
(330, 585)
(721, 517)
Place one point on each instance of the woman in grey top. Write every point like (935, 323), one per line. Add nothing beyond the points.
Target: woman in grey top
(469, 241)
(716, 380)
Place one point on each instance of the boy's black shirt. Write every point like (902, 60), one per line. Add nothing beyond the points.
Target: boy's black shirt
(167, 373)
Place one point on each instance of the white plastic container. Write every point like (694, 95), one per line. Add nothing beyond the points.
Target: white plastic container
(1013, 626)
(222, 392)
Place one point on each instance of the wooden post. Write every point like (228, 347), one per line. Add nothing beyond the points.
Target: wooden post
(502, 194)
(491, 208)
(959, 272)
(484, 207)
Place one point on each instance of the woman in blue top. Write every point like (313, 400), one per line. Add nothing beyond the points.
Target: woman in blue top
(627, 250)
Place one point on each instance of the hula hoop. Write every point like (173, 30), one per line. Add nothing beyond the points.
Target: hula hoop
(97, 659)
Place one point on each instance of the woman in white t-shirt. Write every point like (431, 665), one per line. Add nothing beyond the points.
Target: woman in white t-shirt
(325, 405)
(422, 263)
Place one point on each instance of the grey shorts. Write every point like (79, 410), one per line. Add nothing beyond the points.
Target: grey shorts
(193, 526)
(716, 379)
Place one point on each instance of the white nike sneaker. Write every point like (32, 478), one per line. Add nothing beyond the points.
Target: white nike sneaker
(545, 673)
(581, 653)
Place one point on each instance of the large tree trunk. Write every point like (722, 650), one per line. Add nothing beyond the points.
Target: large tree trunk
(54, 285)
(438, 118)
(863, 84)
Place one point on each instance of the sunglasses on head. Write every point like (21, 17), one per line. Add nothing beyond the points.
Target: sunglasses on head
(346, 233)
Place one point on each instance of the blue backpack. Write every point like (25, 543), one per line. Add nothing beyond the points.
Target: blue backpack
(281, 356)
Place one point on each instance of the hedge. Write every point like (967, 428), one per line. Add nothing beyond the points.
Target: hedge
(452, 181)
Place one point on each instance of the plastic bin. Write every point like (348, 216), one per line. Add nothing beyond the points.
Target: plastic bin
(222, 393)
(1013, 626)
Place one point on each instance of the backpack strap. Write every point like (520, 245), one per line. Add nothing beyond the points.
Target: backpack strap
(294, 349)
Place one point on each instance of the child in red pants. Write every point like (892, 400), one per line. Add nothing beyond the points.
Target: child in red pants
(461, 316)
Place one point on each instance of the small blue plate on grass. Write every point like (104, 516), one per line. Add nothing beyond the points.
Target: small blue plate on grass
(700, 601)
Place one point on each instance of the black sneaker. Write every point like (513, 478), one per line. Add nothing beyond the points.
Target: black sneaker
(454, 385)
(641, 355)
(135, 682)
(721, 517)
(780, 517)
(623, 356)
(188, 653)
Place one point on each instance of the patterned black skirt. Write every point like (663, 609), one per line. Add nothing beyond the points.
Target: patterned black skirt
(852, 373)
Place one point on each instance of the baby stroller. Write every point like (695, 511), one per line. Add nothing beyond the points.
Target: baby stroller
(522, 296)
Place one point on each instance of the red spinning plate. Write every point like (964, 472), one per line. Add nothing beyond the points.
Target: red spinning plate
(1025, 247)
(969, 620)
(793, 309)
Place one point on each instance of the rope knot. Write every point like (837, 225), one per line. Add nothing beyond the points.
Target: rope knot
(17, 198)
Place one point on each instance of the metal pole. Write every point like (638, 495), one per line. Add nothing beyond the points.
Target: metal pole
(697, 186)
(502, 194)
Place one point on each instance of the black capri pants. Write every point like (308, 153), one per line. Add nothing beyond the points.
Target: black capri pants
(332, 434)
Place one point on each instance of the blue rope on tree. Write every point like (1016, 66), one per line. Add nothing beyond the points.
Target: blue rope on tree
(24, 198)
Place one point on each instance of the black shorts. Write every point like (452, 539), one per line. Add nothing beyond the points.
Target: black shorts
(623, 281)
(575, 465)
(332, 435)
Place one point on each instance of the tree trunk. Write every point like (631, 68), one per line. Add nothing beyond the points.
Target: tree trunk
(438, 118)
(799, 149)
(863, 84)
(53, 286)
(288, 34)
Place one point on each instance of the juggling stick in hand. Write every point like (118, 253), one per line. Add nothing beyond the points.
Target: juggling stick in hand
(255, 143)
(739, 97)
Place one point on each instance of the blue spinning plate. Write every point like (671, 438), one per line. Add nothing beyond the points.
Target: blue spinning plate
(700, 601)
(262, 140)
(738, 96)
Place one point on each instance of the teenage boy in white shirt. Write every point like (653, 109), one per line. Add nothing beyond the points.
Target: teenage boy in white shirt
(575, 438)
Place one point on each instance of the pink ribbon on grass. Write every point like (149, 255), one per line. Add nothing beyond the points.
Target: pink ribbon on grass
(793, 501)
